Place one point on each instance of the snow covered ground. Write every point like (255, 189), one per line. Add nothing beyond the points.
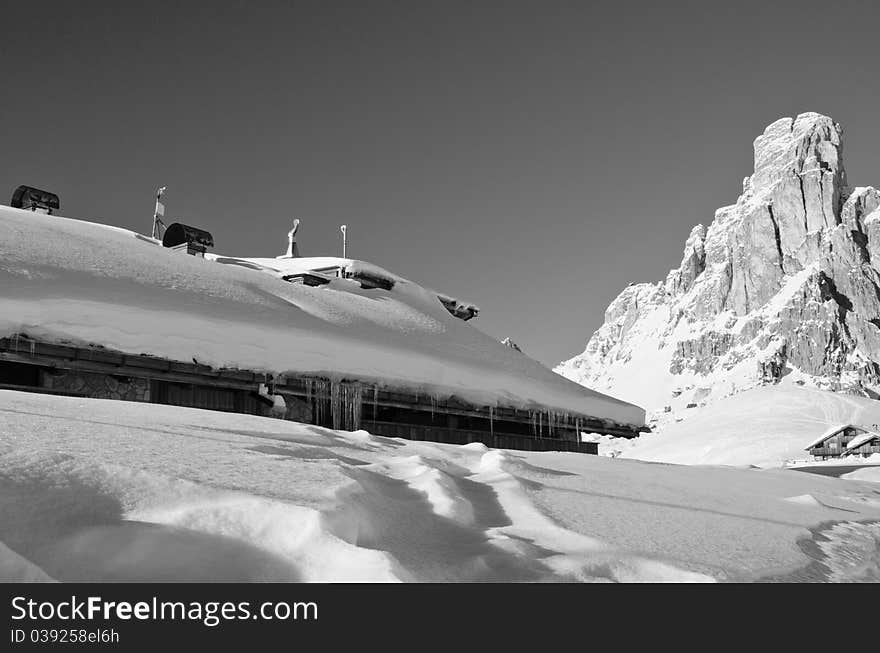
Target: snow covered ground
(101, 490)
(871, 474)
(765, 427)
(69, 280)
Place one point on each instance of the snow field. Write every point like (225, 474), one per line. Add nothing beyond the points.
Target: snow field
(764, 427)
(103, 490)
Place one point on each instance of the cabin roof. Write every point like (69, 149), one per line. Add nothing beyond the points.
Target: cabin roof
(832, 431)
(124, 293)
(294, 268)
(859, 440)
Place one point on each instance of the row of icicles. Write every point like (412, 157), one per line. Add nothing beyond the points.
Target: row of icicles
(343, 401)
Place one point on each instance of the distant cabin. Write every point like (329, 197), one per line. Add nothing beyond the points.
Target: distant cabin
(864, 445)
(842, 440)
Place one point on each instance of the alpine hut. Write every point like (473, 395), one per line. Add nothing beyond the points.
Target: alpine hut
(835, 442)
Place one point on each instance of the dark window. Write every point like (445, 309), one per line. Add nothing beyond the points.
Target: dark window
(19, 374)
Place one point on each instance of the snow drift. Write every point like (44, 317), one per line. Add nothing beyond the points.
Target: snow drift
(100, 490)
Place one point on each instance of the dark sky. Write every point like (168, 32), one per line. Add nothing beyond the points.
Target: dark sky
(531, 158)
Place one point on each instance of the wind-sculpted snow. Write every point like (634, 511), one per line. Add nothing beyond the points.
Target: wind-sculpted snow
(73, 281)
(104, 490)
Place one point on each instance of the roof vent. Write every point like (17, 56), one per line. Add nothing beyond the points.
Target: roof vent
(192, 240)
(34, 199)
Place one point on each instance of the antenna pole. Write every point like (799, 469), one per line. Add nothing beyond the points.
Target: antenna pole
(343, 229)
(158, 213)
(292, 249)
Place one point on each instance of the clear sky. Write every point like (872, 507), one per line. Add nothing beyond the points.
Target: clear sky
(531, 158)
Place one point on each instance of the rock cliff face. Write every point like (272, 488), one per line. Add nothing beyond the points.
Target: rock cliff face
(783, 286)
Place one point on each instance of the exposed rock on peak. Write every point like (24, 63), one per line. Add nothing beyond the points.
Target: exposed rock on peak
(692, 263)
(783, 283)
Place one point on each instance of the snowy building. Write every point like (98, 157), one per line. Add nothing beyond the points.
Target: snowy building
(840, 440)
(98, 311)
(866, 444)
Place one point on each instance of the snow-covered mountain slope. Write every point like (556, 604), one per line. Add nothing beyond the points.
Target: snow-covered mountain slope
(764, 426)
(782, 284)
(96, 489)
(69, 280)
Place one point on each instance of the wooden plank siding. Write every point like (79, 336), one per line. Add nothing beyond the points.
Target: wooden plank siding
(228, 400)
(835, 446)
(461, 436)
(866, 449)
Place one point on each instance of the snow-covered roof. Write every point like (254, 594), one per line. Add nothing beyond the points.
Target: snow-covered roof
(858, 441)
(283, 266)
(829, 433)
(81, 282)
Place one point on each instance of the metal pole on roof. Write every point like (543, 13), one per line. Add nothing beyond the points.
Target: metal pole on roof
(292, 249)
(158, 213)
(344, 238)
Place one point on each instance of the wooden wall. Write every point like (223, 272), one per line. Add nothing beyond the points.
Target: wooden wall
(835, 446)
(396, 413)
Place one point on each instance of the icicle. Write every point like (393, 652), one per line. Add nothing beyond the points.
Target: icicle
(346, 400)
(352, 399)
(317, 394)
(492, 424)
(334, 406)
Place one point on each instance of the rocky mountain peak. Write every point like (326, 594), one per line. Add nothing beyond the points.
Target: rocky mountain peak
(807, 145)
(782, 285)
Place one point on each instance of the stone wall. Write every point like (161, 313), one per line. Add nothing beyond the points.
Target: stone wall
(99, 386)
(109, 386)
